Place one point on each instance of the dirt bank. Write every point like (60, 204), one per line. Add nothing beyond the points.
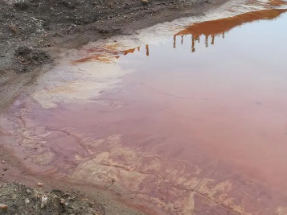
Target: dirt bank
(16, 198)
(30, 30)
(20, 199)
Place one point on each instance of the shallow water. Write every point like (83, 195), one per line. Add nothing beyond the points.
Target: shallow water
(225, 87)
(192, 124)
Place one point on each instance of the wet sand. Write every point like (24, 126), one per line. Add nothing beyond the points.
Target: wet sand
(195, 124)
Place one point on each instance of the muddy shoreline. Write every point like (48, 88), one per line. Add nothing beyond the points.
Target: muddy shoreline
(34, 32)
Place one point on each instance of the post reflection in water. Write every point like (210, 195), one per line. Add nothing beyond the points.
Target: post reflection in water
(147, 50)
(209, 30)
(194, 39)
(218, 28)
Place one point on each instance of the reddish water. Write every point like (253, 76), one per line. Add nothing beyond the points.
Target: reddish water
(228, 96)
(199, 128)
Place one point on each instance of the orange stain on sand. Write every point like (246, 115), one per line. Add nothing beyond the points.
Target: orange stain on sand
(97, 57)
(108, 55)
(129, 51)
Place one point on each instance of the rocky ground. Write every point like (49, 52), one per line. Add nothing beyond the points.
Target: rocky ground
(62, 198)
(29, 25)
(31, 34)
(19, 199)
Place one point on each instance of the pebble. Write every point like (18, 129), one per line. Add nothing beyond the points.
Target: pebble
(27, 201)
(44, 201)
(3, 207)
(40, 184)
(3, 162)
(145, 2)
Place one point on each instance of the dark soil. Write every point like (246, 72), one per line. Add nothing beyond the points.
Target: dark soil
(29, 58)
(41, 24)
(19, 199)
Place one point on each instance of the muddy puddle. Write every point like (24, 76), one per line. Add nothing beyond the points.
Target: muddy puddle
(191, 124)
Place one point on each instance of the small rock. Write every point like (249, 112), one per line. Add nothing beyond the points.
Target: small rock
(5, 169)
(3, 207)
(145, 2)
(14, 29)
(28, 191)
(14, 196)
(21, 6)
(27, 201)
(40, 184)
(44, 201)
(62, 201)
(3, 161)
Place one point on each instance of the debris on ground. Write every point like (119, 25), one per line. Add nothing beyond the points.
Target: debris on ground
(19, 199)
(48, 23)
(28, 58)
(40, 184)
(145, 2)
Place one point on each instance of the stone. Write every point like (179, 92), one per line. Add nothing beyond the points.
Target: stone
(145, 2)
(3, 207)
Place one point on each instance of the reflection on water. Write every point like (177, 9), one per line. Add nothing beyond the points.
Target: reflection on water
(190, 134)
(218, 28)
(209, 30)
